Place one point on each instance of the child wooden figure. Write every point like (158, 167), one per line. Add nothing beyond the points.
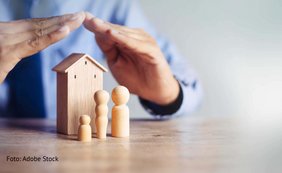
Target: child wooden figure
(84, 129)
(101, 98)
(120, 112)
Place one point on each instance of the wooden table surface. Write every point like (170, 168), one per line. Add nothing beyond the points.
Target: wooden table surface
(190, 144)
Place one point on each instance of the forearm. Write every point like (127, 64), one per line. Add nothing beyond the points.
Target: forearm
(188, 99)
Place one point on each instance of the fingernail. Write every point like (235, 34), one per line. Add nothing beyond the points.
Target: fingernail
(98, 20)
(63, 29)
(114, 31)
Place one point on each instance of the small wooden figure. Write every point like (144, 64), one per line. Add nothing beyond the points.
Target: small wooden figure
(101, 98)
(78, 77)
(84, 129)
(120, 112)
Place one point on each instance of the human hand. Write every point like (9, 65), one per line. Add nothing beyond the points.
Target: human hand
(135, 60)
(22, 38)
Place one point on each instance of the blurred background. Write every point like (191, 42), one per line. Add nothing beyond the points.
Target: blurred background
(235, 46)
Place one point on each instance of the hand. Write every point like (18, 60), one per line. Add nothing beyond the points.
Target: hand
(135, 60)
(22, 38)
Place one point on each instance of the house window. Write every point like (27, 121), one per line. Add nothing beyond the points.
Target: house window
(75, 76)
(85, 62)
(95, 76)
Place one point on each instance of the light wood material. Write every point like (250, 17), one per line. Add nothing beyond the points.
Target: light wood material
(120, 112)
(68, 62)
(101, 98)
(84, 130)
(78, 77)
(182, 145)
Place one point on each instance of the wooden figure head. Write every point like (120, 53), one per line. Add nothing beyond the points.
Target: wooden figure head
(120, 95)
(84, 119)
(101, 97)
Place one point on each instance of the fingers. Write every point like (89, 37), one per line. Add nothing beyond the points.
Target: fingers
(108, 47)
(75, 21)
(10, 39)
(47, 26)
(33, 46)
(114, 35)
(111, 44)
(26, 25)
(38, 43)
(123, 28)
(96, 25)
(100, 27)
(39, 23)
(122, 39)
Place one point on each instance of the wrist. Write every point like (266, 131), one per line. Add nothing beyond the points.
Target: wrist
(168, 94)
(163, 110)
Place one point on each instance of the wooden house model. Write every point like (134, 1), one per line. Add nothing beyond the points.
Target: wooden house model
(79, 76)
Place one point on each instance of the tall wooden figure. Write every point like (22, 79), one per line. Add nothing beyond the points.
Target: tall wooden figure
(101, 98)
(120, 112)
(84, 129)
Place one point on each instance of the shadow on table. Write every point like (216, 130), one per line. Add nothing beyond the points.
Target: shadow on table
(150, 119)
(49, 126)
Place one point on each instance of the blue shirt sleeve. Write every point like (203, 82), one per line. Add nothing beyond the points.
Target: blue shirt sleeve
(130, 14)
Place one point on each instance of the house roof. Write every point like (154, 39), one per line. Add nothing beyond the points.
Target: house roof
(64, 66)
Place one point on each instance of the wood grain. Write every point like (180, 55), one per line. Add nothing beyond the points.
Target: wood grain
(78, 77)
(179, 145)
(83, 81)
(62, 106)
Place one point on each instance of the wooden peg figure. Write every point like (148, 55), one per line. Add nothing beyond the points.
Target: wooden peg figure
(120, 112)
(101, 98)
(84, 129)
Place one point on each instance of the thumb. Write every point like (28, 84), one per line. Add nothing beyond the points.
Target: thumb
(88, 21)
